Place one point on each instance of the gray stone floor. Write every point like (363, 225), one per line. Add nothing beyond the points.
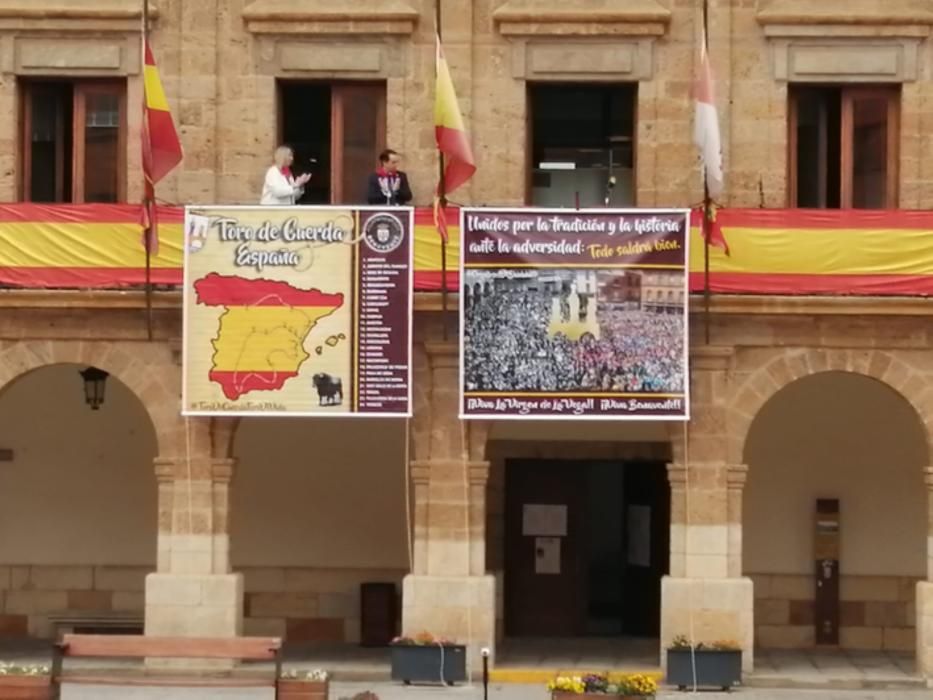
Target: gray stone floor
(778, 675)
(836, 668)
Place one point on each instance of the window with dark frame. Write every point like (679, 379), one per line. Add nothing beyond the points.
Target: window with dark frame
(336, 131)
(582, 136)
(843, 147)
(73, 141)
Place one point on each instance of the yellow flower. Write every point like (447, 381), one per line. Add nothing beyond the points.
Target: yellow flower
(567, 684)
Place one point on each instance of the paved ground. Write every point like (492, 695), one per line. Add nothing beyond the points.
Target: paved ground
(838, 668)
(339, 691)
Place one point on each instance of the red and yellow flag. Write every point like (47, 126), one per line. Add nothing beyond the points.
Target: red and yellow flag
(451, 135)
(161, 147)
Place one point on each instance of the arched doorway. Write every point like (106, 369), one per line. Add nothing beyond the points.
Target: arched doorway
(845, 439)
(78, 504)
(318, 507)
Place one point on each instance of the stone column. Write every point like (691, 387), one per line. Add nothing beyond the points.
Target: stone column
(924, 606)
(705, 592)
(448, 592)
(736, 475)
(193, 592)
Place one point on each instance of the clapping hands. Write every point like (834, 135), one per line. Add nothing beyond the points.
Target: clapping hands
(302, 179)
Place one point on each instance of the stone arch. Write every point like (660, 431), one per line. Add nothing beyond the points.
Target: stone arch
(137, 368)
(764, 383)
(223, 433)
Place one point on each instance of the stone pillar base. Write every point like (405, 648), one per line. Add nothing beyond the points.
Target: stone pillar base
(925, 629)
(461, 608)
(194, 605)
(721, 609)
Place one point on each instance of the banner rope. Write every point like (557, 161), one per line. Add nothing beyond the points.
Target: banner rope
(693, 654)
(189, 479)
(465, 459)
(409, 525)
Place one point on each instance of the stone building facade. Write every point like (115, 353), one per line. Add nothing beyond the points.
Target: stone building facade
(224, 62)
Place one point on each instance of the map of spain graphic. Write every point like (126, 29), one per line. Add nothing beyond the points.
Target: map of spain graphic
(262, 330)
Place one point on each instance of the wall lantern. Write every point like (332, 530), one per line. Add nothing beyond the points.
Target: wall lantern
(94, 382)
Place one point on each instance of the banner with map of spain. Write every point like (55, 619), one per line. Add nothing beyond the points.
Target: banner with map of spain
(299, 311)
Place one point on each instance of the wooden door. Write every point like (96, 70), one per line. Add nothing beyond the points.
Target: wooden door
(99, 162)
(545, 595)
(46, 148)
(647, 517)
(869, 136)
(358, 135)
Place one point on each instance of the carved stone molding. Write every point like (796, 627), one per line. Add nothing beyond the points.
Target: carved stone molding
(73, 16)
(896, 15)
(330, 17)
(712, 357)
(859, 41)
(583, 18)
(93, 38)
(736, 476)
(330, 57)
(629, 58)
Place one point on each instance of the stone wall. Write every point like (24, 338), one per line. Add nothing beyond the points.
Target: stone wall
(220, 60)
(876, 612)
(303, 604)
(28, 594)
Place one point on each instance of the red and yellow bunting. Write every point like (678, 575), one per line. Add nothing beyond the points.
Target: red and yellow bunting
(78, 246)
(773, 251)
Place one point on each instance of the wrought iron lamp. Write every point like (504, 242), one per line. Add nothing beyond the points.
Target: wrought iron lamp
(95, 381)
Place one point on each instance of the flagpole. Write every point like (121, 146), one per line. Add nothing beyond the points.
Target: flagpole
(441, 191)
(147, 234)
(706, 234)
(705, 230)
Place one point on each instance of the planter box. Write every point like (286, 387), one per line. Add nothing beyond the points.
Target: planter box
(25, 688)
(429, 663)
(715, 668)
(561, 695)
(295, 689)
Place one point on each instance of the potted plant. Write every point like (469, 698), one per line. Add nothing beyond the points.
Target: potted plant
(718, 664)
(25, 682)
(303, 685)
(425, 658)
(625, 686)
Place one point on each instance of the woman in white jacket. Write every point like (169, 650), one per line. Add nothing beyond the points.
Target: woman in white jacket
(280, 186)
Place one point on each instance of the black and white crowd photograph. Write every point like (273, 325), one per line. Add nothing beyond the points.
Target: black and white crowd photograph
(574, 330)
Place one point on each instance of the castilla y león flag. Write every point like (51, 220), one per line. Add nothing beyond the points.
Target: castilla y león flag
(161, 147)
(451, 135)
(707, 137)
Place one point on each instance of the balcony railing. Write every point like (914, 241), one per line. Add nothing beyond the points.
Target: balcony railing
(773, 251)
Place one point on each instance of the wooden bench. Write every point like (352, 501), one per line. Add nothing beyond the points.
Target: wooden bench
(142, 647)
(91, 622)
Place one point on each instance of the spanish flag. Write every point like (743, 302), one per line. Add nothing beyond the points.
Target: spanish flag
(161, 147)
(259, 343)
(451, 135)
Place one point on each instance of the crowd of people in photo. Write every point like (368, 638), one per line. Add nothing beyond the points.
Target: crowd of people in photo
(507, 347)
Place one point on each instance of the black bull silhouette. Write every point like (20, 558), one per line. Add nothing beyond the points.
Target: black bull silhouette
(329, 389)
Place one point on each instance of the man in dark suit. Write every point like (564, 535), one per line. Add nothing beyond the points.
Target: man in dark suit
(389, 185)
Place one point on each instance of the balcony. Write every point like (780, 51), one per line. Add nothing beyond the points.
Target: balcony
(774, 252)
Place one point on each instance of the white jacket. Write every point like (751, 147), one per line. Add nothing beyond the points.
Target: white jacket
(278, 189)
